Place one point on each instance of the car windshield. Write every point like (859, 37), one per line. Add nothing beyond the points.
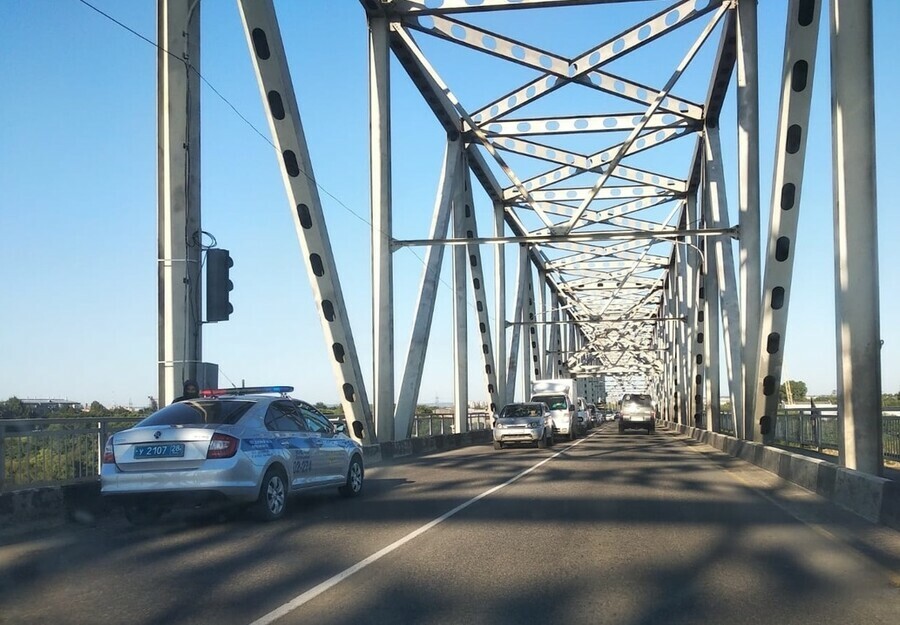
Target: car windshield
(512, 412)
(556, 402)
(195, 411)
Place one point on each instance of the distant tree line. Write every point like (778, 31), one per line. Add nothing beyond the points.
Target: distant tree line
(15, 408)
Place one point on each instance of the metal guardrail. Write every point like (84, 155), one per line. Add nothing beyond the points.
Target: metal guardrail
(54, 452)
(438, 424)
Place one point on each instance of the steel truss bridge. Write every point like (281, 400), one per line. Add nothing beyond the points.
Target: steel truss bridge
(626, 270)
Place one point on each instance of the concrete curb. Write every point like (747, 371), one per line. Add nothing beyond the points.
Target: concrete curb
(82, 502)
(876, 499)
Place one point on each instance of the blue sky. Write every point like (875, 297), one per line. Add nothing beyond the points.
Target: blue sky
(78, 198)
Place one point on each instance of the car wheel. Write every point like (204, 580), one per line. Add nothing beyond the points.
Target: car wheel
(272, 500)
(498, 445)
(542, 441)
(141, 515)
(355, 474)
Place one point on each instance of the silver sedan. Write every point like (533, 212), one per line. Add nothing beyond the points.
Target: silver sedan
(528, 423)
(248, 448)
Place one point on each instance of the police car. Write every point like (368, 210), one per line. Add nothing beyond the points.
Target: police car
(253, 446)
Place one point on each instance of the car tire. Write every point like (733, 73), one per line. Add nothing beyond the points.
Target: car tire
(355, 475)
(498, 445)
(542, 441)
(272, 500)
(141, 515)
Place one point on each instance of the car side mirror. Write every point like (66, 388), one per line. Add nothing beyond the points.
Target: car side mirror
(341, 428)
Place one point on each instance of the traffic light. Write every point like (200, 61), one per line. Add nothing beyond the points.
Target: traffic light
(218, 286)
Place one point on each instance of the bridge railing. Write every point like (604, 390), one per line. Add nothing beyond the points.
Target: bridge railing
(58, 452)
(54, 452)
(817, 428)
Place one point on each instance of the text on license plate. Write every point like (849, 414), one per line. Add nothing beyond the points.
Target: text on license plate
(167, 450)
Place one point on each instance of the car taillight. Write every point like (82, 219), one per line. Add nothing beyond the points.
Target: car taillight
(109, 455)
(222, 446)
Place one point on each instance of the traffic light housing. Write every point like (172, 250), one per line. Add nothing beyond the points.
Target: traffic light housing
(218, 285)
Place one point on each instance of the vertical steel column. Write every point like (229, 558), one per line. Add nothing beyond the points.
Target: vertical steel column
(179, 347)
(728, 295)
(684, 334)
(534, 352)
(711, 347)
(748, 201)
(518, 316)
(856, 236)
(500, 302)
(694, 322)
(460, 311)
(527, 334)
(555, 349)
(543, 329)
(431, 275)
(480, 295)
(790, 146)
(382, 228)
(280, 104)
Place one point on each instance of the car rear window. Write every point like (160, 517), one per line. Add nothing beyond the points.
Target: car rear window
(206, 411)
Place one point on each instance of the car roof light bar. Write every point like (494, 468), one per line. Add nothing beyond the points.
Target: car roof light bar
(246, 390)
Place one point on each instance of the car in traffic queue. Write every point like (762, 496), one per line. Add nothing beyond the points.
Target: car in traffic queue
(527, 423)
(252, 446)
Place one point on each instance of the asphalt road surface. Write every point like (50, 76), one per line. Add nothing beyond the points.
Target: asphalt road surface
(630, 529)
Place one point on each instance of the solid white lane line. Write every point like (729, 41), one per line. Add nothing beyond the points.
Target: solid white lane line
(315, 591)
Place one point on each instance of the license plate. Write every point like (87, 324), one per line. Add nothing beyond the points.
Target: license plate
(161, 450)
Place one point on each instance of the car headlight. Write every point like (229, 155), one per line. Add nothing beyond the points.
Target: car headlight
(534, 425)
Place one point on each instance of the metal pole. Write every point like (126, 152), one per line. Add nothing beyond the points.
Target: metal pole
(748, 201)
(856, 236)
(380, 199)
(178, 212)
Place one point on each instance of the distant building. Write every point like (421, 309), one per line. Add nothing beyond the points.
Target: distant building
(44, 407)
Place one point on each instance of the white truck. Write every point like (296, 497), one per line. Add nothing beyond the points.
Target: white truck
(566, 408)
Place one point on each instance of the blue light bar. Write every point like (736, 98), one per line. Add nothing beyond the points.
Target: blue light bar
(246, 390)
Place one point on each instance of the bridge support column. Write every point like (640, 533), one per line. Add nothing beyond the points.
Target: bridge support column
(856, 236)
(280, 104)
(717, 217)
(518, 316)
(748, 201)
(790, 154)
(713, 411)
(500, 303)
(434, 256)
(460, 311)
(178, 214)
(382, 228)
